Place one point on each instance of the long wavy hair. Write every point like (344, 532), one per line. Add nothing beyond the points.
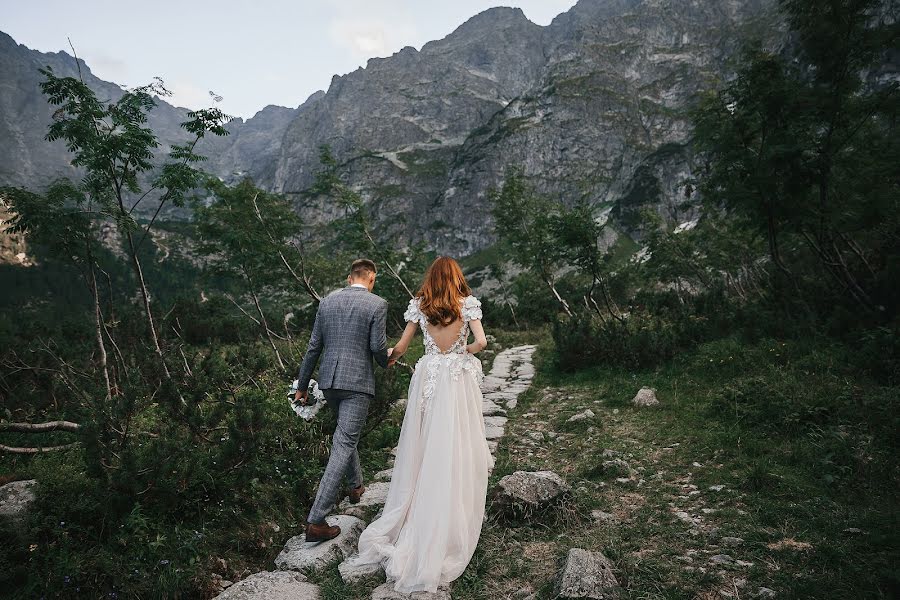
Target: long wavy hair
(442, 292)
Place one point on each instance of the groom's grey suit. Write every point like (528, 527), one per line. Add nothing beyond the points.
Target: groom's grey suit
(348, 333)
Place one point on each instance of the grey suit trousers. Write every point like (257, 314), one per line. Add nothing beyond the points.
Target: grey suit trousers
(343, 463)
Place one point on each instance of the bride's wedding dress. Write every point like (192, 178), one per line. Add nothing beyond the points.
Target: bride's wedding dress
(434, 509)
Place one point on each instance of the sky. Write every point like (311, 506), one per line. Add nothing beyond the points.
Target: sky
(252, 53)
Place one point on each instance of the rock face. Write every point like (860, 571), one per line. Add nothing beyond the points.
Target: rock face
(587, 575)
(272, 585)
(534, 489)
(592, 107)
(645, 397)
(15, 498)
(298, 554)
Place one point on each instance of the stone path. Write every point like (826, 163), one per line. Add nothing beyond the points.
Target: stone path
(510, 376)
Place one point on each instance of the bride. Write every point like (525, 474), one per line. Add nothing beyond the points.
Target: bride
(434, 509)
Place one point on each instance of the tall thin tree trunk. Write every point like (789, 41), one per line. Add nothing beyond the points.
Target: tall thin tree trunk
(262, 319)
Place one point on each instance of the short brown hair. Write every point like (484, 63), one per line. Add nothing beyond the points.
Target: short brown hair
(361, 267)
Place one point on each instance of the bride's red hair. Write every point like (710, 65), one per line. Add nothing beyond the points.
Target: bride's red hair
(442, 292)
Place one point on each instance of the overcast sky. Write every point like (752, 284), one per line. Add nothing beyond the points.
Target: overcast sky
(252, 53)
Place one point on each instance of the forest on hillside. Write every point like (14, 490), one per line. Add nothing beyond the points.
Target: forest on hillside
(144, 362)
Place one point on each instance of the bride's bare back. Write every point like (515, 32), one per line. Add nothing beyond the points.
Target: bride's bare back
(445, 336)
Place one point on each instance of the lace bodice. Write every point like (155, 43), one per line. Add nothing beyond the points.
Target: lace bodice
(456, 358)
(471, 311)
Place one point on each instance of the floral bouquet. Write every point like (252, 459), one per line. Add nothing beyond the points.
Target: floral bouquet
(315, 400)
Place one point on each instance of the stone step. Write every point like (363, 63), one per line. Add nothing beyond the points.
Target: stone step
(353, 572)
(272, 585)
(375, 495)
(386, 592)
(298, 554)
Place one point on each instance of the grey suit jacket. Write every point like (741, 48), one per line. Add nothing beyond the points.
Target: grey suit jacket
(348, 333)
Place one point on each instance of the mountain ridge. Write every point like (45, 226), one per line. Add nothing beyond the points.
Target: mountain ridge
(583, 105)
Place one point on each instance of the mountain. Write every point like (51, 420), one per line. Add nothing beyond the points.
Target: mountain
(593, 107)
(28, 160)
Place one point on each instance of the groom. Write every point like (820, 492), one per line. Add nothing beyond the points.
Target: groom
(349, 332)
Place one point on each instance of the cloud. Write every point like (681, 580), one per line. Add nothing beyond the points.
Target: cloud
(362, 29)
(188, 95)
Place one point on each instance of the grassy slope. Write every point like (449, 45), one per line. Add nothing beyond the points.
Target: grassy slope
(802, 447)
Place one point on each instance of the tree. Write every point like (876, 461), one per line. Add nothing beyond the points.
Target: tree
(578, 234)
(810, 148)
(524, 220)
(114, 147)
(246, 232)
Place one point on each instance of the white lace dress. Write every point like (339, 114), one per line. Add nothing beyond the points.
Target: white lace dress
(432, 517)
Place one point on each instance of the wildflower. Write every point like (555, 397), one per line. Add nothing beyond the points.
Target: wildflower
(32, 547)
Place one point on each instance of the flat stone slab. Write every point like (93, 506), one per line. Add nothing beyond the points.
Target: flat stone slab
(352, 572)
(298, 554)
(495, 421)
(493, 433)
(587, 575)
(16, 497)
(384, 475)
(489, 408)
(272, 585)
(386, 592)
(375, 495)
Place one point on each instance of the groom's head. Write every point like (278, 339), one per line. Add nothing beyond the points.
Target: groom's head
(362, 271)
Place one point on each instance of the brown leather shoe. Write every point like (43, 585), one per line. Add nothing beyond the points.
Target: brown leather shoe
(321, 533)
(355, 494)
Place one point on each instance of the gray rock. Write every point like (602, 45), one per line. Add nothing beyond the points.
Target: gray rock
(587, 575)
(490, 408)
(375, 495)
(721, 559)
(298, 554)
(272, 585)
(765, 592)
(532, 489)
(352, 571)
(384, 475)
(645, 397)
(386, 591)
(732, 541)
(585, 414)
(15, 498)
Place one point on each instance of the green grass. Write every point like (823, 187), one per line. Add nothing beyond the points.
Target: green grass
(802, 444)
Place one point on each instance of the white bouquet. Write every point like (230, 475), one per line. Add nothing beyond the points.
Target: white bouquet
(315, 400)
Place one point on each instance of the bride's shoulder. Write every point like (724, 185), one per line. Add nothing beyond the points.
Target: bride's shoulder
(471, 308)
(413, 313)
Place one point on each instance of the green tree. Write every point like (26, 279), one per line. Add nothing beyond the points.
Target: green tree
(524, 220)
(810, 148)
(246, 232)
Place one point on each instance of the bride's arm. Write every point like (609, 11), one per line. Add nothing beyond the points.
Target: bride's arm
(480, 342)
(400, 349)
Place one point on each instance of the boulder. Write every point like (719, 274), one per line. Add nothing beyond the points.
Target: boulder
(15, 498)
(533, 489)
(352, 571)
(375, 495)
(645, 397)
(587, 575)
(272, 585)
(386, 592)
(299, 554)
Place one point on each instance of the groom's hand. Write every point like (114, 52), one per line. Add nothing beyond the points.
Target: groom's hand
(300, 397)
